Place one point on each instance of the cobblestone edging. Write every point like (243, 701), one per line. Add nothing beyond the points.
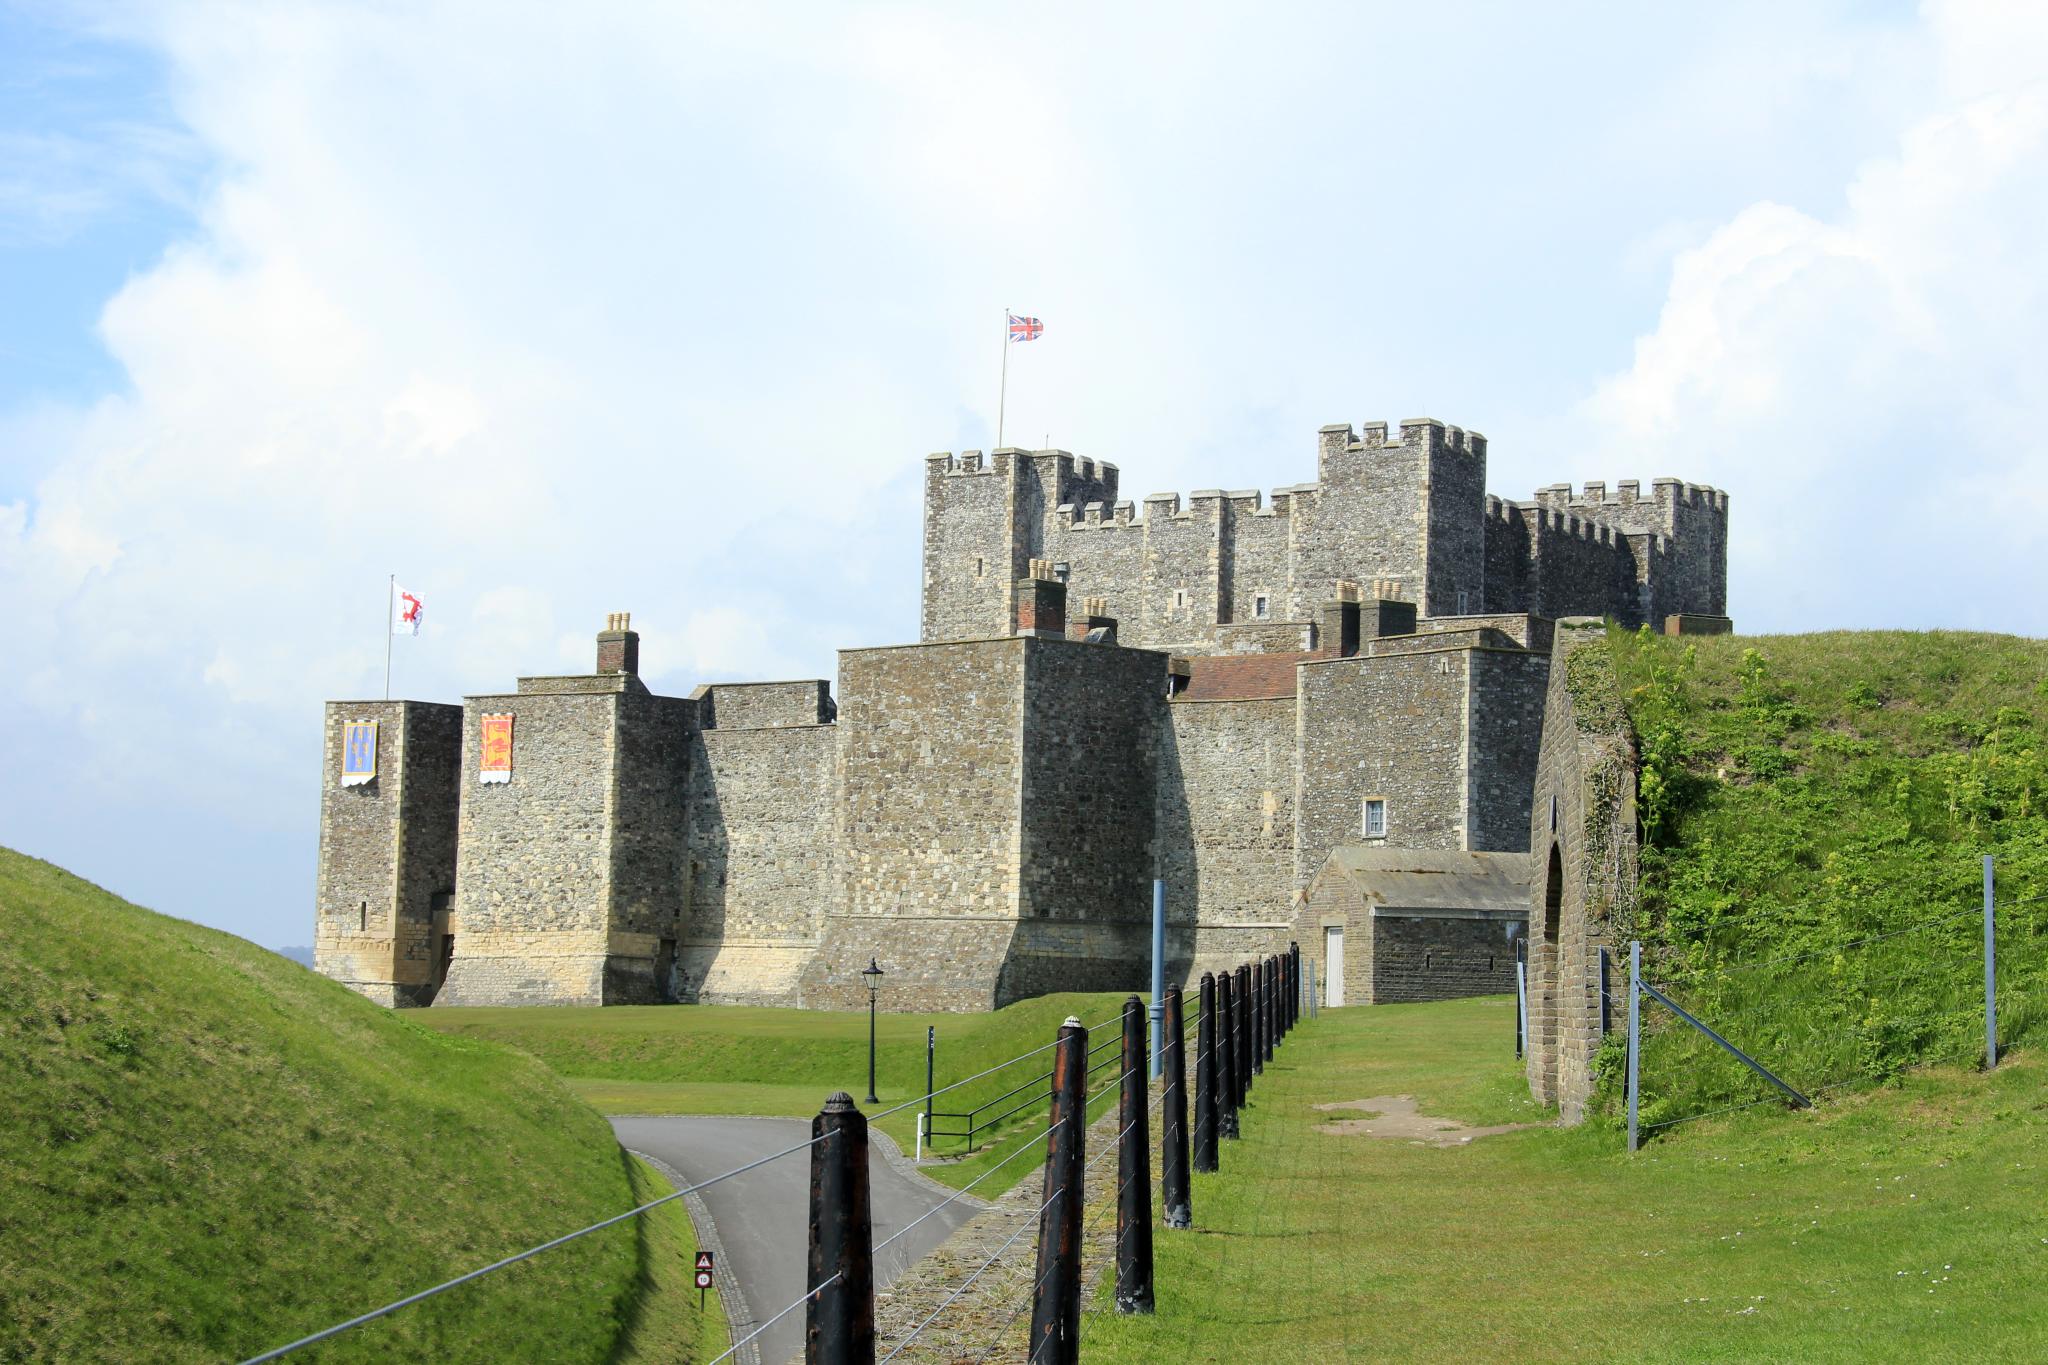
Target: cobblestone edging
(991, 1320)
(729, 1297)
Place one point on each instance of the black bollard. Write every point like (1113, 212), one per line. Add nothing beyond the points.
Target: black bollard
(1244, 1034)
(1258, 1018)
(1205, 1076)
(1294, 975)
(1134, 1168)
(1274, 993)
(839, 1319)
(1228, 1097)
(1056, 1299)
(1173, 1122)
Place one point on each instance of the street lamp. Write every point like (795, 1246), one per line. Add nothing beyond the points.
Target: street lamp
(874, 975)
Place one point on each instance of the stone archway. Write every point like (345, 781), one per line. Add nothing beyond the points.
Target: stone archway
(1546, 986)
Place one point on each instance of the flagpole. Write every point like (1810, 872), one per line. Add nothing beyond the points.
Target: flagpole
(390, 596)
(1004, 397)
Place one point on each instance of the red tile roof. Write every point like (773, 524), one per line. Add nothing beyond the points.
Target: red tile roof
(1241, 677)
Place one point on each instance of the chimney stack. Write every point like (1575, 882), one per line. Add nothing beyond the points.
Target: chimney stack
(618, 645)
(1042, 603)
(1337, 631)
(1094, 625)
(1384, 613)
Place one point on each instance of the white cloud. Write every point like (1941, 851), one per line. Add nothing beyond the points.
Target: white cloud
(1865, 383)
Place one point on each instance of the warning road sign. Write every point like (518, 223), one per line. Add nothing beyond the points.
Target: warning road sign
(703, 1270)
(703, 1260)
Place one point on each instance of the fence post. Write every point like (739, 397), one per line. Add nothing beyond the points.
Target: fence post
(1244, 1033)
(1205, 1075)
(1294, 974)
(1272, 1005)
(1134, 1166)
(839, 1319)
(1635, 1031)
(1158, 968)
(1521, 1006)
(1990, 969)
(1173, 1127)
(931, 1058)
(1056, 1299)
(1258, 1018)
(1227, 1097)
(1314, 998)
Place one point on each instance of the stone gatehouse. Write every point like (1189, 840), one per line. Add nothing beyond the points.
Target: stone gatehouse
(1218, 694)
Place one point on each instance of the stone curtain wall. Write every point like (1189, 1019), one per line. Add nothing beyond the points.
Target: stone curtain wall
(931, 782)
(533, 882)
(1092, 714)
(649, 838)
(1225, 828)
(762, 870)
(1587, 766)
(1391, 727)
(752, 706)
(1507, 700)
(386, 848)
(1438, 956)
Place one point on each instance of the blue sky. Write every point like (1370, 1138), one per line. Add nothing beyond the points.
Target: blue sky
(657, 308)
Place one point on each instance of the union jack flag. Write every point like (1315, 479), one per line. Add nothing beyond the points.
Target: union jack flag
(1025, 329)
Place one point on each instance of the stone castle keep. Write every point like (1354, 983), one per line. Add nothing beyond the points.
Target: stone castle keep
(1316, 716)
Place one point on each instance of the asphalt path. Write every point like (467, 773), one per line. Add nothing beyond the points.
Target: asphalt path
(763, 1217)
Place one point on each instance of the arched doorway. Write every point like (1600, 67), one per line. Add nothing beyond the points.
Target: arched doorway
(1546, 963)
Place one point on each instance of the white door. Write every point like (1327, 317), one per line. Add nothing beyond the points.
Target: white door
(1333, 965)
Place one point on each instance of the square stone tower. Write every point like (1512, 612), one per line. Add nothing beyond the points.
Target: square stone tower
(571, 839)
(387, 846)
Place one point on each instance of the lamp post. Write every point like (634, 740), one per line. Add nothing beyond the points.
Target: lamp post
(873, 973)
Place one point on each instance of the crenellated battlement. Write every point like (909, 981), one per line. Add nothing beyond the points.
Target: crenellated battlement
(1413, 433)
(1665, 492)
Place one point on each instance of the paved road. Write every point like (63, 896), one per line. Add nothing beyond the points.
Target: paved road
(763, 1217)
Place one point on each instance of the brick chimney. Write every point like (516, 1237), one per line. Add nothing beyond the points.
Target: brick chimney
(1094, 625)
(618, 645)
(1042, 603)
(1383, 613)
(1337, 628)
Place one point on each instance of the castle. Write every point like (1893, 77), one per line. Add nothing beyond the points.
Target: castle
(1315, 716)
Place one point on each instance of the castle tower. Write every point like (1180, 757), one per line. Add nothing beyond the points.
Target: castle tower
(387, 846)
(571, 839)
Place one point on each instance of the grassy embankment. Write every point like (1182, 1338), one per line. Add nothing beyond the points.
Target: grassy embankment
(1903, 1223)
(207, 1150)
(1802, 794)
(690, 1059)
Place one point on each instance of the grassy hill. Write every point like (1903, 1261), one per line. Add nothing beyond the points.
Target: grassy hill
(206, 1150)
(1815, 810)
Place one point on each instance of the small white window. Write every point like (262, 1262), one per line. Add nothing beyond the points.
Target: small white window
(1259, 606)
(1375, 817)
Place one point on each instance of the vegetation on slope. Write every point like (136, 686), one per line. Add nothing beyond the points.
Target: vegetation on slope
(711, 1059)
(1902, 1223)
(1815, 811)
(207, 1150)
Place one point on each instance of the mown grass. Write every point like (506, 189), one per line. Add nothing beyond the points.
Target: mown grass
(1828, 799)
(670, 1321)
(207, 1150)
(711, 1059)
(1900, 1224)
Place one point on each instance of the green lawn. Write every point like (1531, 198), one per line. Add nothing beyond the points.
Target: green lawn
(1903, 1223)
(708, 1059)
(207, 1150)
